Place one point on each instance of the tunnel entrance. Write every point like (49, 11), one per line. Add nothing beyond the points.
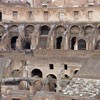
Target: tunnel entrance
(36, 72)
(73, 41)
(13, 42)
(26, 44)
(58, 42)
(45, 30)
(52, 82)
(0, 16)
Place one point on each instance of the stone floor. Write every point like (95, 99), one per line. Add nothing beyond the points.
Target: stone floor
(83, 87)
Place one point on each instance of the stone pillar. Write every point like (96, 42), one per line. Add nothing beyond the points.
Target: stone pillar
(76, 46)
(58, 86)
(34, 41)
(18, 43)
(66, 46)
(93, 43)
(52, 42)
(35, 36)
(89, 46)
(21, 34)
(50, 38)
(31, 89)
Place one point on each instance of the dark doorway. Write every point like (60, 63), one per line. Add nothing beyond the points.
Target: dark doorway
(88, 30)
(76, 71)
(0, 16)
(13, 42)
(45, 30)
(36, 72)
(73, 41)
(52, 82)
(97, 47)
(58, 42)
(15, 99)
(81, 45)
(66, 76)
(26, 44)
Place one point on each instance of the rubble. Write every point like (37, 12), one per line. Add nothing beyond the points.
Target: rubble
(83, 87)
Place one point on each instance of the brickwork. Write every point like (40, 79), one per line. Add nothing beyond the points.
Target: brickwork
(44, 44)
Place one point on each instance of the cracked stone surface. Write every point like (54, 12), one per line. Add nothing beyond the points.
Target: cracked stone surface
(83, 87)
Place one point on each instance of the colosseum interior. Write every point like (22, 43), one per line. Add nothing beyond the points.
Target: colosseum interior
(49, 49)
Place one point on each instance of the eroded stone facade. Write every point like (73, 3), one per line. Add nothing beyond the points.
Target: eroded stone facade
(44, 43)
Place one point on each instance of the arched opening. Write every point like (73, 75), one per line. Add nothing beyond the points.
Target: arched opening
(75, 29)
(59, 30)
(88, 30)
(81, 45)
(73, 42)
(44, 30)
(76, 71)
(13, 42)
(97, 47)
(58, 42)
(13, 29)
(66, 76)
(26, 44)
(15, 73)
(52, 82)
(51, 76)
(36, 73)
(29, 30)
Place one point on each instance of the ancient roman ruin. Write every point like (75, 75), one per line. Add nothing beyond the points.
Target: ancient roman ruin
(49, 49)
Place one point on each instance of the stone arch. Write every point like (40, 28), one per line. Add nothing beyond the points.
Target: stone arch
(97, 46)
(44, 30)
(29, 29)
(59, 30)
(81, 44)
(75, 29)
(76, 71)
(37, 72)
(26, 43)
(52, 76)
(73, 42)
(15, 73)
(58, 37)
(13, 36)
(88, 29)
(66, 76)
(13, 30)
(52, 82)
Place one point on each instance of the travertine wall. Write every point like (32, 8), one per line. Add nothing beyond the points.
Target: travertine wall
(59, 3)
(53, 14)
